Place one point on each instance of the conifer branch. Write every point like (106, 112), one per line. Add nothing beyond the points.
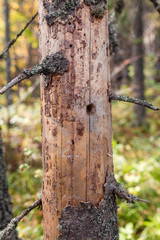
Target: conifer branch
(18, 35)
(13, 223)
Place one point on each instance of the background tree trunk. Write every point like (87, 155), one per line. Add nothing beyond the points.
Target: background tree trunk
(157, 55)
(5, 202)
(138, 50)
(76, 120)
(7, 58)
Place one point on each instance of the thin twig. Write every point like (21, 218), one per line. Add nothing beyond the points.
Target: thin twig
(156, 5)
(135, 101)
(18, 35)
(142, 200)
(13, 223)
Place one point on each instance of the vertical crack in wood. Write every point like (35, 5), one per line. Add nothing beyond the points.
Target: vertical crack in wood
(90, 54)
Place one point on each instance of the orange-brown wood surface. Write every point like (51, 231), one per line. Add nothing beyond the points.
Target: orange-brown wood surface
(76, 118)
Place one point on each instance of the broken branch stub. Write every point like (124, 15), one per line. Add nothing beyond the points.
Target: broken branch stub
(135, 101)
(52, 65)
(113, 187)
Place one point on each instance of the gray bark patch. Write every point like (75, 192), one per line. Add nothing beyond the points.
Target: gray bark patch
(88, 222)
(60, 10)
(52, 65)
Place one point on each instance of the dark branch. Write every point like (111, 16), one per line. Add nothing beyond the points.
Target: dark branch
(13, 223)
(135, 101)
(18, 35)
(156, 5)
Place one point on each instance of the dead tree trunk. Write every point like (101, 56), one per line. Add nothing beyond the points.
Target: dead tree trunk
(76, 121)
(139, 64)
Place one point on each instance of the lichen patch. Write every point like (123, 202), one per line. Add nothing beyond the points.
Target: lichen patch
(98, 7)
(60, 11)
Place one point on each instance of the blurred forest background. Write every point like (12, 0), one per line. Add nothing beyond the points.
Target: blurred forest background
(135, 38)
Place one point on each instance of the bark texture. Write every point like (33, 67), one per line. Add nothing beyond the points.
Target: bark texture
(139, 64)
(5, 202)
(76, 114)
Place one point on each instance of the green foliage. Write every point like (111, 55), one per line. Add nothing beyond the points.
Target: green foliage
(25, 188)
(137, 167)
(24, 164)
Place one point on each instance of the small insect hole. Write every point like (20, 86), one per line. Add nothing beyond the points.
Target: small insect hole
(91, 109)
(72, 141)
(70, 45)
(69, 23)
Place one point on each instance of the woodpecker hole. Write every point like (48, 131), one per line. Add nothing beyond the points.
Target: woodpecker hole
(91, 109)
